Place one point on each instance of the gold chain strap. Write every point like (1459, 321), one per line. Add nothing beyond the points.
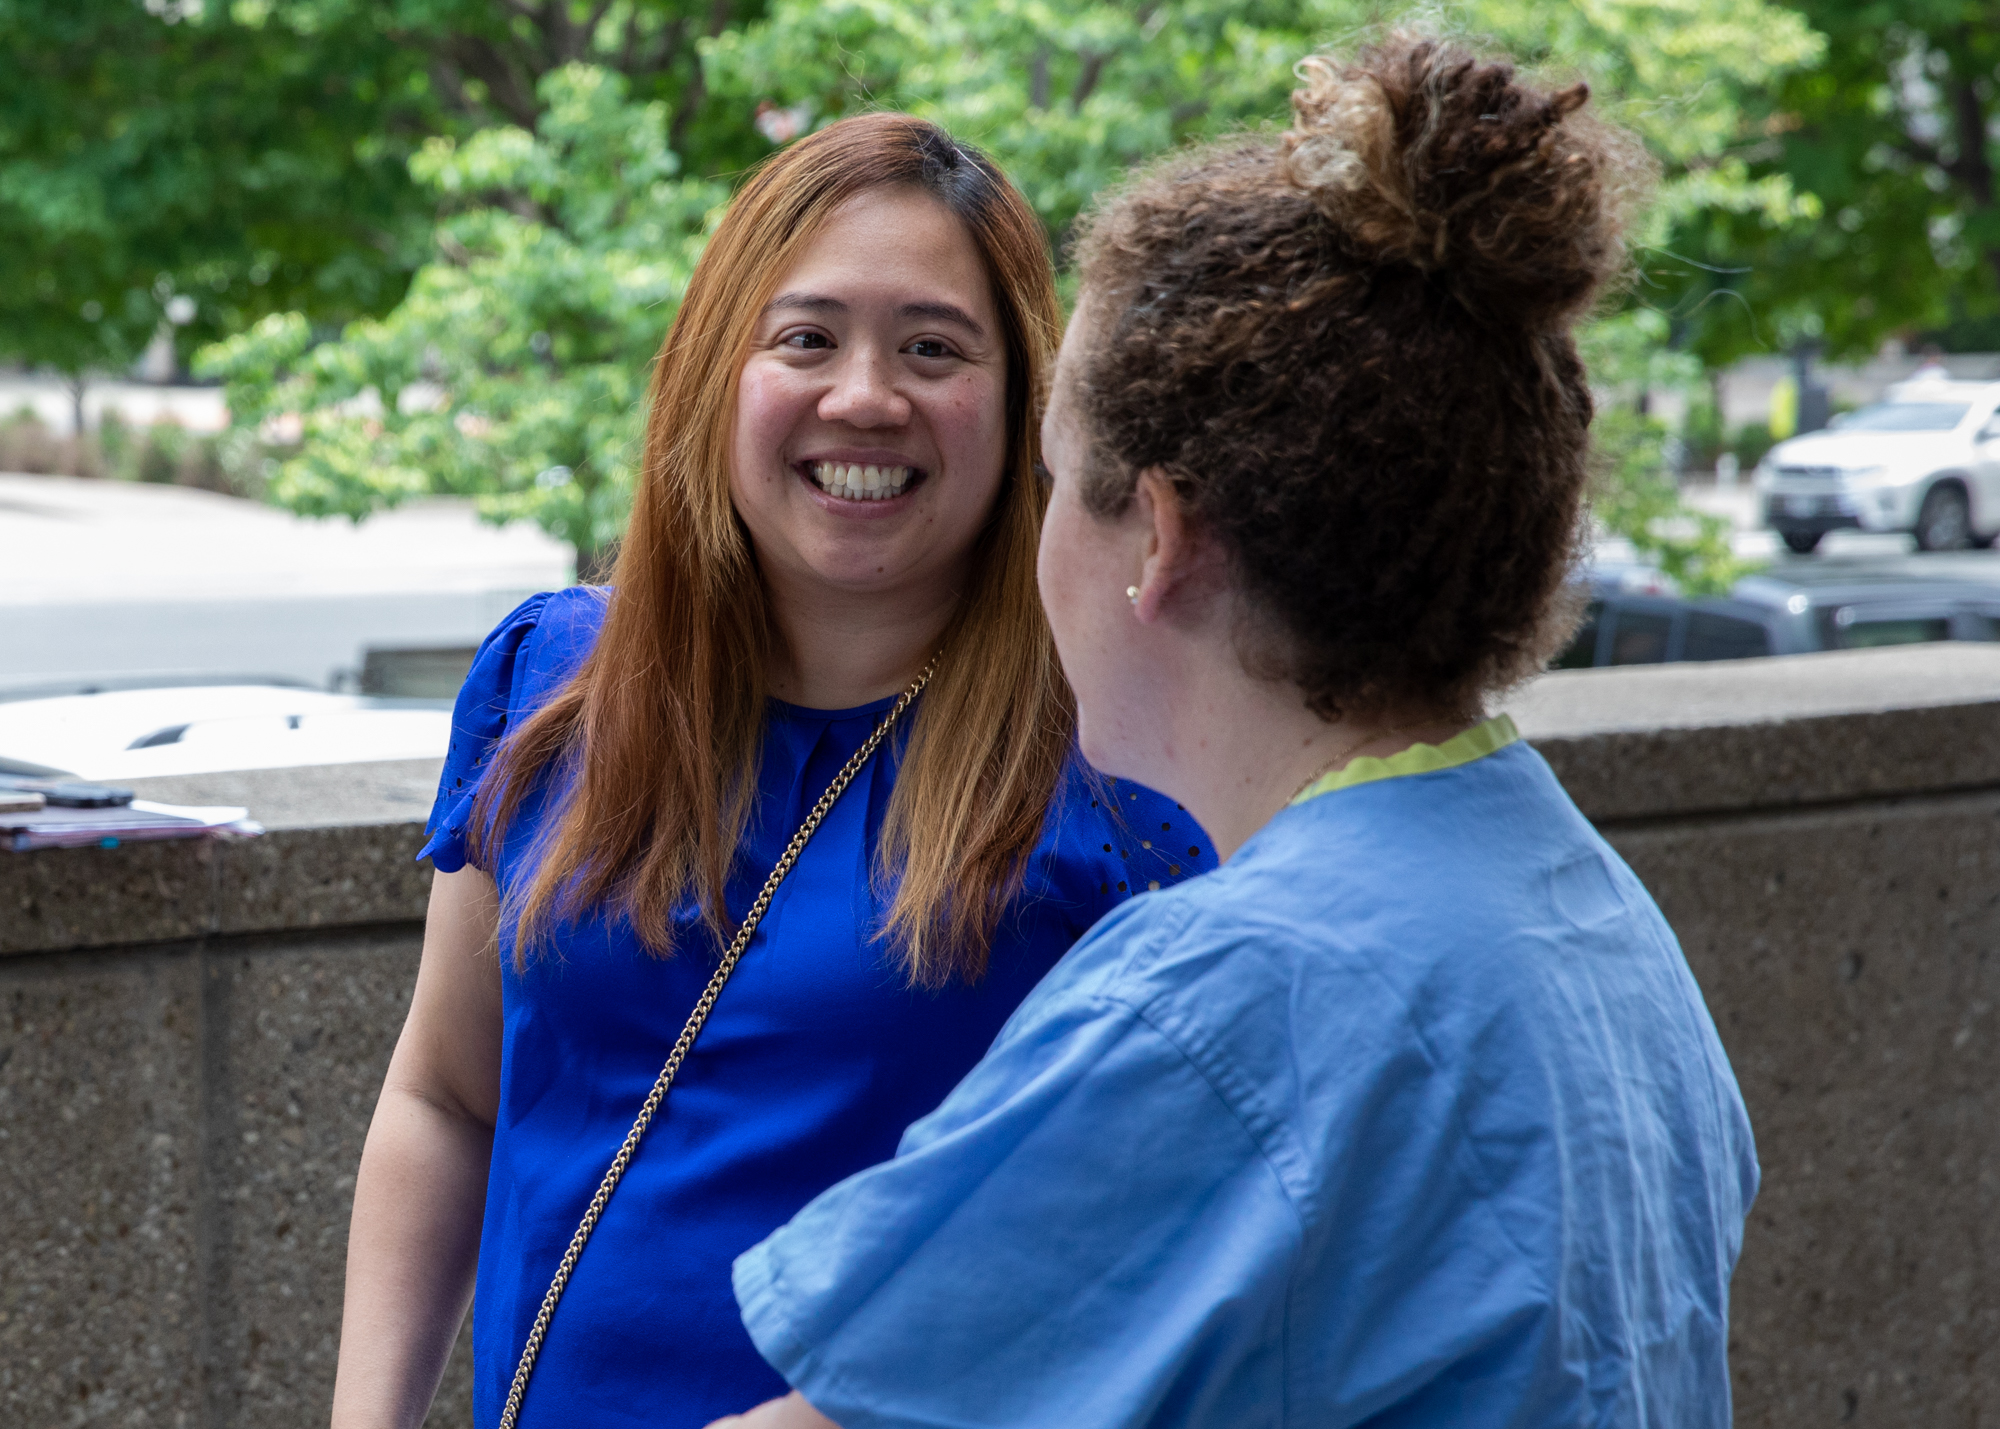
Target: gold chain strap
(532, 1350)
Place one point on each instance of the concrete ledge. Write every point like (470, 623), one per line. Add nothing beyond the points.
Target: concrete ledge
(1631, 745)
(1663, 741)
(340, 850)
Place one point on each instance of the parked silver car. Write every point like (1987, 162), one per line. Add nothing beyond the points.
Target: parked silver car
(118, 734)
(1925, 459)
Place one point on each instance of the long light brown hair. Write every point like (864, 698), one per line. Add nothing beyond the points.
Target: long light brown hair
(652, 747)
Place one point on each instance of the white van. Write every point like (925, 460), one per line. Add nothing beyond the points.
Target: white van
(1925, 459)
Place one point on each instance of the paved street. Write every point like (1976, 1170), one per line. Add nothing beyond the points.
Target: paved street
(1753, 541)
(103, 578)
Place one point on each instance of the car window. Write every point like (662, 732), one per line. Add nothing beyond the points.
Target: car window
(1906, 417)
(1978, 625)
(1581, 652)
(1862, 634)
(1639, 637)
(1714, 636)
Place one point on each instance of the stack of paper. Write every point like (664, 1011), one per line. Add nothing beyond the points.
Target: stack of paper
(57, 827)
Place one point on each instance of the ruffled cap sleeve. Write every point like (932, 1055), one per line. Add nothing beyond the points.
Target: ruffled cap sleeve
(485, 703)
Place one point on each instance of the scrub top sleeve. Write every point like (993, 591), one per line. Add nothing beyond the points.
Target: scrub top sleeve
(478, 721)
(1084, 1233)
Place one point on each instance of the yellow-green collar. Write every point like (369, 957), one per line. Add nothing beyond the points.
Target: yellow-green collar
(1475, 743)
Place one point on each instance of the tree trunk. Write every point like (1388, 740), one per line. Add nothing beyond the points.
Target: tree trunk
(594, 563)
(1973, 168)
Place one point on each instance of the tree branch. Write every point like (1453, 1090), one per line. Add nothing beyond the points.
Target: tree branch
(697, 89)
(445, 75)
(1086, 81)
(558, 35)
(504, 86)
(1973, 167)
(664, 54)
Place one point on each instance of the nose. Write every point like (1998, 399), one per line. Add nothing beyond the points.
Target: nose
(864, 393)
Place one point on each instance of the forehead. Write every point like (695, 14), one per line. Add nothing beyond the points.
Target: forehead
(1069, 363)
(890, 246)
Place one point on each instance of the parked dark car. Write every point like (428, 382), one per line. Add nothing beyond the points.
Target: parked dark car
(1785, 612)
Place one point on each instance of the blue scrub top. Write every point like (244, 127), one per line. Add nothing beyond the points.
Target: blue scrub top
(1411, 1115)
(815, 1059)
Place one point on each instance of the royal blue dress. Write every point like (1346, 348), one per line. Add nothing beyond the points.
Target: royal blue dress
(815, 1059)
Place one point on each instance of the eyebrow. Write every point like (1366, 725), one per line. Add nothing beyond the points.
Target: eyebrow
(936, 312)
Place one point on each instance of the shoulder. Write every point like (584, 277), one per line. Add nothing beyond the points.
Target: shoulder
(1389, 944)
(521, 663)
(573, 616)
(1106, 841)
(534, 651)
(1446, 896)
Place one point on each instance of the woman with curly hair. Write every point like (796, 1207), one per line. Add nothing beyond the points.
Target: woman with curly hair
(1412, 1113)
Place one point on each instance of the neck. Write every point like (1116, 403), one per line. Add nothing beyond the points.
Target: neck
(838, 649)
(1234, 749)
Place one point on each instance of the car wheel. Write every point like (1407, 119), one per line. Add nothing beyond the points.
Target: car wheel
(1945, 522)
(1982, 543)
(1804, 542)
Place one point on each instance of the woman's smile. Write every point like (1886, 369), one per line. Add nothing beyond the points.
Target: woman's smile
(861, 479)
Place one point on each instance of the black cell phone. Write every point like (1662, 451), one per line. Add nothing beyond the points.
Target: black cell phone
(87, 796)
(72, 793)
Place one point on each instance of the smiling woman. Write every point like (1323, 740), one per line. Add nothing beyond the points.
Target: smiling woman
(870, 434)
(816, 722)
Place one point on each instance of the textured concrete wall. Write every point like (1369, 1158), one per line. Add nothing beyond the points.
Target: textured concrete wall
(1851, 958)
(192, 1041)
(182, 1124)
(193, 1037)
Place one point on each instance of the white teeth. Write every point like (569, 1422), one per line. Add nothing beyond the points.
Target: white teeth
(857, 482)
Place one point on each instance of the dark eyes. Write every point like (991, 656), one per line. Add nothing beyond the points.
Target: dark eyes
(808, 341)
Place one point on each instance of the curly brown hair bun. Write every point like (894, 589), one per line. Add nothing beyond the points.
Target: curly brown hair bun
(1350, 349)
(1424, 156)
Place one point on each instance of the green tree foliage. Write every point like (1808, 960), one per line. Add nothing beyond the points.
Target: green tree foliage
(1066, 96)
(513, 369)
(252, 156)
(1636, 498)
(1889, 137)
(147, 154)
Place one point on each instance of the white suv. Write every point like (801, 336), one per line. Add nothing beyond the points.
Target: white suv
(1925, 459)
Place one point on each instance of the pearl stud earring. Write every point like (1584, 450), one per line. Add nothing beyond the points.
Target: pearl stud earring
(1132, 594)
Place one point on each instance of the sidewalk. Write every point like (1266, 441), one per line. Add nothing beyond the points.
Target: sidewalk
(113, 578)
(199, 409)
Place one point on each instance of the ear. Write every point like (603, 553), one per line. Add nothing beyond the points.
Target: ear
(1171, 547)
